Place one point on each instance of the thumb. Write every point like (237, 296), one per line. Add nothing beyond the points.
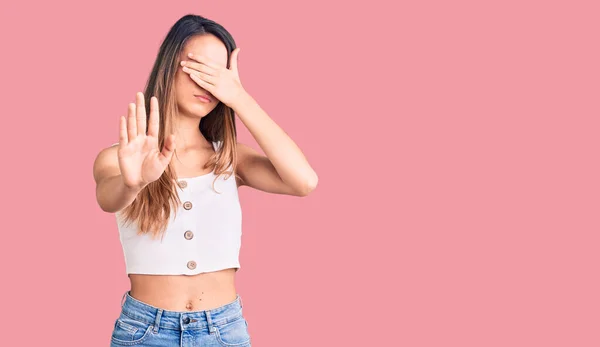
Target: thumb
(234, 59)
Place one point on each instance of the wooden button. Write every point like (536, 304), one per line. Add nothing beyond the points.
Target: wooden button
(187, 205)
(182, 184)
(188, 235)
(191, 265)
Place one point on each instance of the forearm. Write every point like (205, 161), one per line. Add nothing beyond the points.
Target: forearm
(291, 164)
(113, 195)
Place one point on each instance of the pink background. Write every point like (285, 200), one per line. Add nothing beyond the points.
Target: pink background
(456, 145)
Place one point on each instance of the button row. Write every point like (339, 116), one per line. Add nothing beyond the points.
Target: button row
(188, 235)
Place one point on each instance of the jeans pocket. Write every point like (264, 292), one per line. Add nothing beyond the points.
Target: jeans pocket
(130, 332)
(234, 333)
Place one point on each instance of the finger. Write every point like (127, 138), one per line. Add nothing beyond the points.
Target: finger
(122, 131)
(140, 113)
(204, 60)
(199, 67)
(233, 64)
(207, 86)
(167, 152)
(154, 116)
(203, 77)
(131, 128)
(208, 78)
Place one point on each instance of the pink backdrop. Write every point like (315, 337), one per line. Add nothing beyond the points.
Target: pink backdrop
(456, 145)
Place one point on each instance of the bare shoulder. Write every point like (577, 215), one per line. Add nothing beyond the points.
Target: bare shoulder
(257, 171)
(106, 163)
(243, 151)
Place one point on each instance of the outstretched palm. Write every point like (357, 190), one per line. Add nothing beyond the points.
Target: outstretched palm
(140, 160)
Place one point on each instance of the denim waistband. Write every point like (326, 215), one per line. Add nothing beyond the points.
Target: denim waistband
(181, 320)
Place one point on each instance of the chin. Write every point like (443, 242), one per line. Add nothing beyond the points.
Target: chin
(196, 110)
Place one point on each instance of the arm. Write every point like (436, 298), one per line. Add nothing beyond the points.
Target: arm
(284, 169)
(111, 193)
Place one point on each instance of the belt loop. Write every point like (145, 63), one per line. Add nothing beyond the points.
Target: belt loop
(123, 298)
(211, 327)
(157, 320)
(241, 304)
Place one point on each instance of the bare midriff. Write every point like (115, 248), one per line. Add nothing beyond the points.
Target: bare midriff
(185, 293)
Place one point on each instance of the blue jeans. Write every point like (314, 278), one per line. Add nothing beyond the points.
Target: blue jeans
(141, 324)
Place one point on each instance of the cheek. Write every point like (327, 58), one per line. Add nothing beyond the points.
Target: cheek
(182, 79)
(184, 86)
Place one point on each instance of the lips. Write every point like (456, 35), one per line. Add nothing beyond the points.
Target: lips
(202, 96)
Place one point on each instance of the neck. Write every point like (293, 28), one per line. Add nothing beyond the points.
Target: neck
(188, 135)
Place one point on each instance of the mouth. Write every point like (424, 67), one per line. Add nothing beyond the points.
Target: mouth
(203, 98)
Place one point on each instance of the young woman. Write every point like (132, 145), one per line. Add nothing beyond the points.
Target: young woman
(172, 182)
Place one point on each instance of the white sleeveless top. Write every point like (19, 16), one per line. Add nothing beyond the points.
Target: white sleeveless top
(203, 236)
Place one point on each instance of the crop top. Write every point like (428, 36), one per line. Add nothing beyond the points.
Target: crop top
(204, 234)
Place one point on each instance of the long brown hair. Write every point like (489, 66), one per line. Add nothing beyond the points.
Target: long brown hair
(152, 208)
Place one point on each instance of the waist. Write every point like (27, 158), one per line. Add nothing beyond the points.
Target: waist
(185, 293)
(181, 320)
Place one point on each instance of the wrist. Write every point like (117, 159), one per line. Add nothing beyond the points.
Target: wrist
(133, 190)
(241, 101)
